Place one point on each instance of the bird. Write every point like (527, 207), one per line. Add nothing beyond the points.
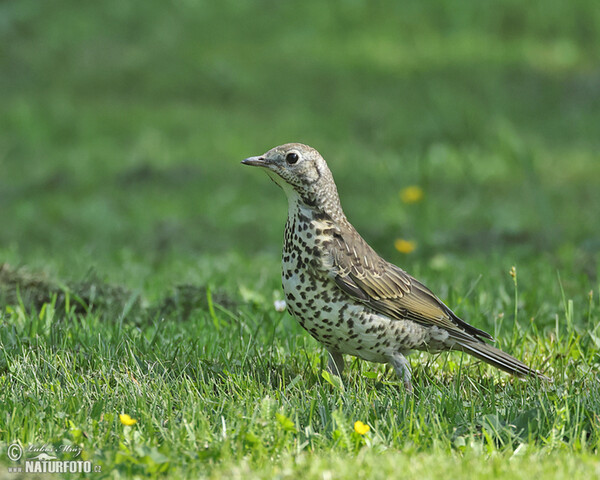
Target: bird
(345, 295)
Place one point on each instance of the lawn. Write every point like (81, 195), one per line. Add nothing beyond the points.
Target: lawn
(140, 262)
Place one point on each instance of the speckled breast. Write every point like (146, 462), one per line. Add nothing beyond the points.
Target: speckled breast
(316, 302)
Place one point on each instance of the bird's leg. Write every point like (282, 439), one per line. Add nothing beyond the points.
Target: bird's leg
(402, 368)
(335, 365)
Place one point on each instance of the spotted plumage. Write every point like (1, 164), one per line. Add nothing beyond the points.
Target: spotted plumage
(345, 295)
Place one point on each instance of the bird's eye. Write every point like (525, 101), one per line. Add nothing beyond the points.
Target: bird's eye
(291, 158)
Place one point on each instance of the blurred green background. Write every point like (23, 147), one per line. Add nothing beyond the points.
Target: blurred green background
(122, 125)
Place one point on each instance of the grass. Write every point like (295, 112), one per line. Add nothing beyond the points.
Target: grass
(140, 261)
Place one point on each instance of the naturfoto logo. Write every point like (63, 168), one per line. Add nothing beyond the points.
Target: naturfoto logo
(43, 459)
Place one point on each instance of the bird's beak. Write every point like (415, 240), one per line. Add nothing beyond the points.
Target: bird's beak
(256, 161)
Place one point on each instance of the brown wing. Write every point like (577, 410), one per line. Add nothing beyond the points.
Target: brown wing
(364, 275)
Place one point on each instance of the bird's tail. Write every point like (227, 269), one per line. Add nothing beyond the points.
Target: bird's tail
(498, 359)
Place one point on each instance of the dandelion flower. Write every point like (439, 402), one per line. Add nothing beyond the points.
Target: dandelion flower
(361, 428)
(412, 194)
(279, 305)
(127, 420)
(405, 246)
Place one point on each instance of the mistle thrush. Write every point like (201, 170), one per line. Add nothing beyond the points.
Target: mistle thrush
(345, 295)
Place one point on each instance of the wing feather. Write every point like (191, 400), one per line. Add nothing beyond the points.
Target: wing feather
(365, 276)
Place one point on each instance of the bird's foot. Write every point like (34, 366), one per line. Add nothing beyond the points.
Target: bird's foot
(402, 368)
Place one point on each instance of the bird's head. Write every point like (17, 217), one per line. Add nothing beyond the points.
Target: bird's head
(301, 172)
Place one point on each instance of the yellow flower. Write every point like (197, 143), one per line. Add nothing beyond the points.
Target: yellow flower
(127, 420)
(361, 428)
(411, 194)
(405, 246)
